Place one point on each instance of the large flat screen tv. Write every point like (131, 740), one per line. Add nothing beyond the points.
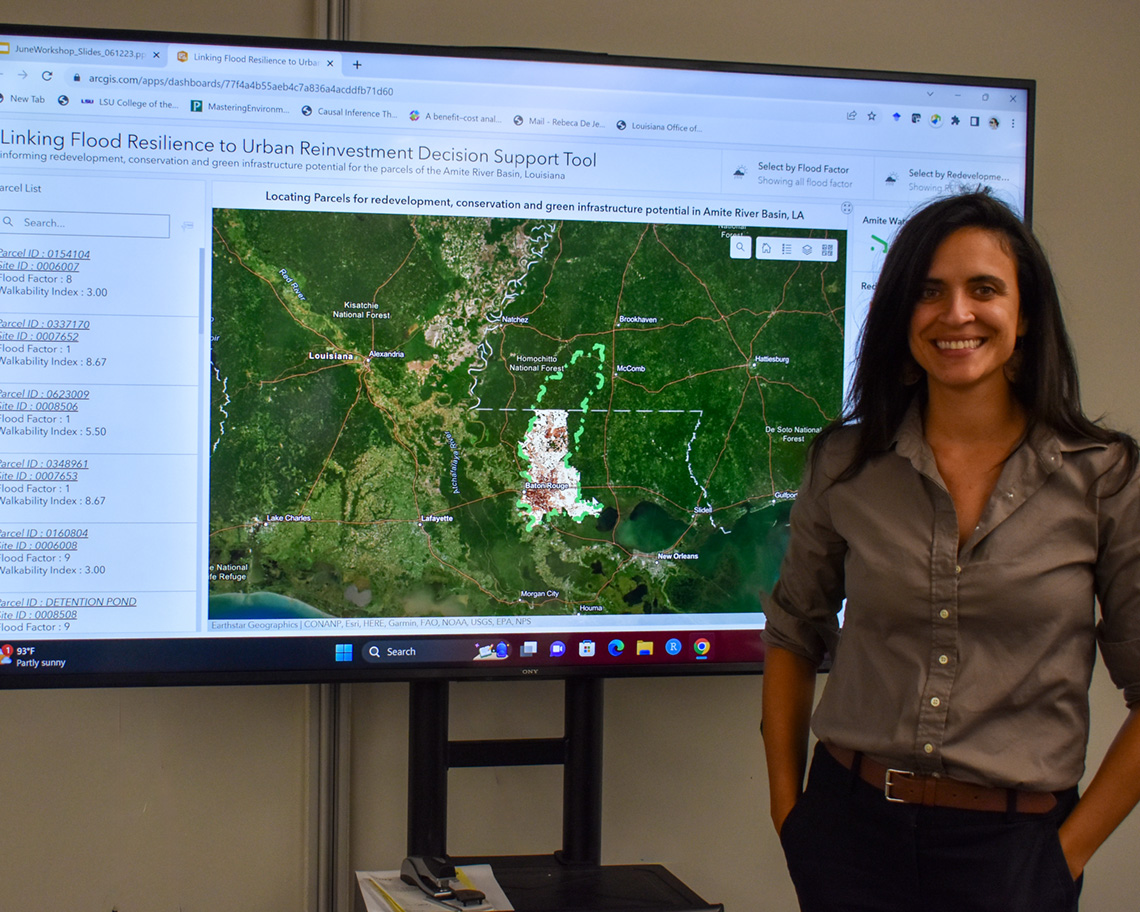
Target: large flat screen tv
(330, 362)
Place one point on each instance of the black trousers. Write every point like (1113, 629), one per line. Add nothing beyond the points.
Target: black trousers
(850, 850)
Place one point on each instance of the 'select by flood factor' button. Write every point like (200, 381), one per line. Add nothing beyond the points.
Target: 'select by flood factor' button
(422, 649)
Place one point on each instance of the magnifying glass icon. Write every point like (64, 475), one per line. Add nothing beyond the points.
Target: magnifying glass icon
(374, 651)
(8, 221)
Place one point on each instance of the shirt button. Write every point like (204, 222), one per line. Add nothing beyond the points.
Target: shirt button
(942, 660)
(944, 614)
(934, 701)
(958, 569)
(929, 748)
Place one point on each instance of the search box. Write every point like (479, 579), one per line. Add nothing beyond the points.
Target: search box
(419, 649)
(84, 224)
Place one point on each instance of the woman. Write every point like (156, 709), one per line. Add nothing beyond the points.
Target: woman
(969, 513)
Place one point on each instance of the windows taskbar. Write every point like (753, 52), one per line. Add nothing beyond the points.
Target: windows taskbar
(298, 659)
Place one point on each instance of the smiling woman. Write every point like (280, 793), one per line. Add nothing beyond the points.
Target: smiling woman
(965, 326)
(968, 514)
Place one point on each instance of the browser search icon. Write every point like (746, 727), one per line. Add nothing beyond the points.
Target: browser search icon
(8, 220)
(374, 651)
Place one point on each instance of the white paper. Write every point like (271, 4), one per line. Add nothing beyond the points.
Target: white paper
(383, 891)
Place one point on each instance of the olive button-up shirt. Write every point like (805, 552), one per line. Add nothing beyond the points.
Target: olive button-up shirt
(969, 662)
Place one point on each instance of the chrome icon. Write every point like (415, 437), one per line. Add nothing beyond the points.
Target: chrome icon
(701, 647)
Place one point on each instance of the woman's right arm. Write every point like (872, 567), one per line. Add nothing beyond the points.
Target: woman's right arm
(789, 692)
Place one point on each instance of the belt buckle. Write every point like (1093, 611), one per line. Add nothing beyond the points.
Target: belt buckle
(888, 784)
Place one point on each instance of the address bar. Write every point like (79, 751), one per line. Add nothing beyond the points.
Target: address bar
(251, 84)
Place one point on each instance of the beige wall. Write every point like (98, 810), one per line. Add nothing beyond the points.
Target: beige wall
(153, 799)
(289, 18)
(195, 799)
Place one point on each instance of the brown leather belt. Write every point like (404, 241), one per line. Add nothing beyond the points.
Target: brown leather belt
(938, 791)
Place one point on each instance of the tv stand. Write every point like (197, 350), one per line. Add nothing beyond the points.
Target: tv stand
(571, 879)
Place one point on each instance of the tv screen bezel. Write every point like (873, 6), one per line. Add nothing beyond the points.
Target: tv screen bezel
(185, 665)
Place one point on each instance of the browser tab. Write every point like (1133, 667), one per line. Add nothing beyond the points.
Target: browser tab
(82, 51)
(252, 61)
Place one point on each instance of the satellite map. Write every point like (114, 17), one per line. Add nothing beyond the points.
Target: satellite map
(440, 416)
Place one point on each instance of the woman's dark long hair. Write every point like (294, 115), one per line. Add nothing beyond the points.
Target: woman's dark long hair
(1045, 383)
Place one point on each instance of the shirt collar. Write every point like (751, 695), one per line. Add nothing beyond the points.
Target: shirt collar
(1045, 446)
(910, 443)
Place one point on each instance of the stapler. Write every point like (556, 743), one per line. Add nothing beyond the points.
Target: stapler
(436, 876)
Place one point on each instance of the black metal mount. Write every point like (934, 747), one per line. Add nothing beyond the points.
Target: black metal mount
(579, 751)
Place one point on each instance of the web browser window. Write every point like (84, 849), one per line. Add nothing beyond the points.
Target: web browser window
(299, 342)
